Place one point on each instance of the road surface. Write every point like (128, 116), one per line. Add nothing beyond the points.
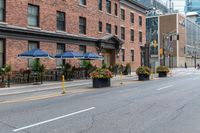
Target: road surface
(168, 105)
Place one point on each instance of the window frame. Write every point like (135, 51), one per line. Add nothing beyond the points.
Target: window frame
(132, 35)
(37, 17)
(83, 2)
(132, 18)
(123, 37)
(38, 46)
(123, 55)
(132, 55)
(108, 6)
(63, 22)
(3, 11)
(116, 9)
(3, 52)
(100, 26)
(122, 11)
(100, 5)
(140, 36)
(110, 28)
(116, 30)
(83, 25)
(140, 20)
(63, 60)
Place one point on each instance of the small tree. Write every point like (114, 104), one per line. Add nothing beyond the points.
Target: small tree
(39, 69)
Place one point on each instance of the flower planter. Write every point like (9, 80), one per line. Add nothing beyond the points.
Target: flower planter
(143, 77)
(101, 82)
(162, 74)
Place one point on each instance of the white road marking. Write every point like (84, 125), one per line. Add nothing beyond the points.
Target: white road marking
(165, 87)
(54, 119)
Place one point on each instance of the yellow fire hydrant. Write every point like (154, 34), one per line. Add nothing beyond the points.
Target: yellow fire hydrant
(63, 84)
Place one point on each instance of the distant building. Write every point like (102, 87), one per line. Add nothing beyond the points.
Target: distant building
(193, 6)
(173, 40)
(155, 7)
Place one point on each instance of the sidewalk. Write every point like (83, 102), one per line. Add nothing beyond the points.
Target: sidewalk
(20, 89)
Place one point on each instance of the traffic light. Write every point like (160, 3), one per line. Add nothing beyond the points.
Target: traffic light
(170, 38)
(177, 37)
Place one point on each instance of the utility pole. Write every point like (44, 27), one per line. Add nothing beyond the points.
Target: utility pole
(170, 6)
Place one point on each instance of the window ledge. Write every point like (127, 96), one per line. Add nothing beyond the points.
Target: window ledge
(3, 23)
(60, 31)
(109, 14)
(85, 6)
(33, 28)
(100, 32)
(83, 35)
(100, 11)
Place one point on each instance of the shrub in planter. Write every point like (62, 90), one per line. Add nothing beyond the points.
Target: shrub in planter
(143, 73)
(127, 69)
(162, 71)
(5, 73)
(101, 77)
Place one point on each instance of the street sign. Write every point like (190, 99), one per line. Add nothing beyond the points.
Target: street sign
(161, 51)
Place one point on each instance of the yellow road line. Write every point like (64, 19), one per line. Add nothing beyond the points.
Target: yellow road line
(41, 97)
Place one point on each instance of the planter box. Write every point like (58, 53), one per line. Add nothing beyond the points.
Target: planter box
(162, 74)
(101, 82)
(143, 77)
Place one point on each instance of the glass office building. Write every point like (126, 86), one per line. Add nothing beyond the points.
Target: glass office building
(193, 6)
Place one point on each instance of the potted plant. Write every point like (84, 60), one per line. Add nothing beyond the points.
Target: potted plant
(101, 77)
(143, 73)
(162, 71)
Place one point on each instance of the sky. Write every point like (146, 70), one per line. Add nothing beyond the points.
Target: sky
(178, 4)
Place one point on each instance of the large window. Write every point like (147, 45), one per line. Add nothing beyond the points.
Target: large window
(2, 10)
(122, 33)
(82, 25)
(116, 9)
(82, 2)
(123, 55)
(132, 55)
(60, 21)
(108, 6)
(140, 20)
(100, 5)
(132, 35)
(82, 49)
(32, 45)
(60, 50)
(122, 14)
(100, 26)
(33, 15)
(140, 36)
(1, 53)
(132, 18)
(108, 28)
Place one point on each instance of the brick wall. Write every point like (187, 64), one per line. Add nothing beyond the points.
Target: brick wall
(16, 14)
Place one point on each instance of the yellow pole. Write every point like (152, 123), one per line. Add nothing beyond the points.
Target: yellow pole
(121, 78)
(63, 84)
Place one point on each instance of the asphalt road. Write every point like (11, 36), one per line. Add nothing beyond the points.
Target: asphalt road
(170, 105)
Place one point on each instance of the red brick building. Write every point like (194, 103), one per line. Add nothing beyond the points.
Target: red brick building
(114, 28)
